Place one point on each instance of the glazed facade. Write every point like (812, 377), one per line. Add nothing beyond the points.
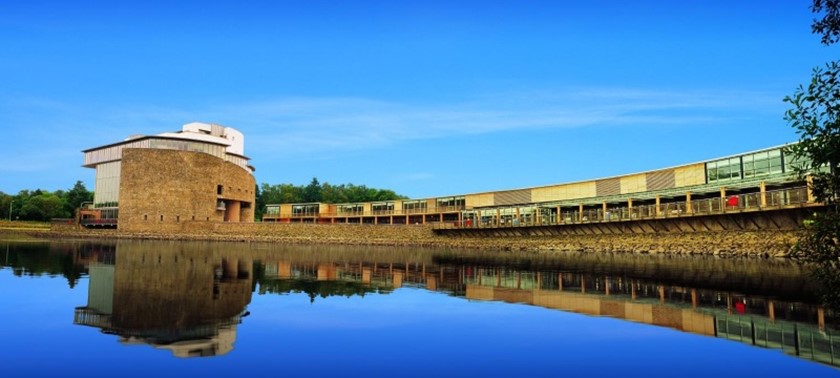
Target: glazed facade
(754, 179)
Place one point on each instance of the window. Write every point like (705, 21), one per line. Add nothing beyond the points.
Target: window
(724, 170)
(382, 208)
(762, 163)
(351, 209)
(305, 210)
(219, 189)
(450, 203)
(411, 207)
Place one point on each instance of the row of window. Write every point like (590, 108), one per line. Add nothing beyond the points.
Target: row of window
(749, 166)
(115, 152)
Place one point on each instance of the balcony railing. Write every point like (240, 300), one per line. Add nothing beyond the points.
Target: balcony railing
(776, 199)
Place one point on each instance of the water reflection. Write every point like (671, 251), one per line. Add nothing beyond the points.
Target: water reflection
(189, 298)
(178, 297)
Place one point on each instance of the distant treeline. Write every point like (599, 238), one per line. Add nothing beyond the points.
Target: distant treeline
(43, 205)
(318, 192)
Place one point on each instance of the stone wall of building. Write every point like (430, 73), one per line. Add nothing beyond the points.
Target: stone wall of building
(160, 190)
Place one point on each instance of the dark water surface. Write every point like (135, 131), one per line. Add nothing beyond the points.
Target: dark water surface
(215, 309)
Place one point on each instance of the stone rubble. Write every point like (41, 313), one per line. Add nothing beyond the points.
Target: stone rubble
(718, 243)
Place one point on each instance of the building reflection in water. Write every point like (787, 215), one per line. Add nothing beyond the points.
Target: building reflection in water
(189, 298)
(185, 299)
(773, 307)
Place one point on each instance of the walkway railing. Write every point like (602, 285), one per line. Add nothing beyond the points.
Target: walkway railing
(776, 199)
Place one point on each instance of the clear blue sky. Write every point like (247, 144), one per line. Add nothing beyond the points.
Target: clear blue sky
(427, 98)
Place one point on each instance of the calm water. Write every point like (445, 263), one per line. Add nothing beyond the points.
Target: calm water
(152, 308)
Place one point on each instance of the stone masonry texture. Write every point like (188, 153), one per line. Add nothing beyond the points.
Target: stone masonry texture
(160, 190)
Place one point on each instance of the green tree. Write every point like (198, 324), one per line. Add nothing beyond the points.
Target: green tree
(312, 192)
(75, 197)
(318, 192)
(5, 205)
(43, 207)
(814, 115)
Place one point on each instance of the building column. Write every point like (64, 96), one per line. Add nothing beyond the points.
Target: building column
(582, 285)
(607, 285)
(771, 311)
(694, 298)
(821, 318)
(518, 217)
(658, 210)
(580, 212)
(284, 269)
(558, 218)
(232, 211)
(762, 188)
(809, 184)
(230, 268)
(688, 203)
(498, 218)
(366, 275)
(661, 293)
(604, 210)
(722, 199)
(728, 304)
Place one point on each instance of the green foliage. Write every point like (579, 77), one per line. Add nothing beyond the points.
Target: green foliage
(318, 192)
(76, 196)
(323, 289)
(42, 205)
(829, 25)
(814, 115)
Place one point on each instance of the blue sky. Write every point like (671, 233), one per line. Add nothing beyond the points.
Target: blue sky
(428, 98)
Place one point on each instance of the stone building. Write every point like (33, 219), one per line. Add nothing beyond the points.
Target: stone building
(160, 182)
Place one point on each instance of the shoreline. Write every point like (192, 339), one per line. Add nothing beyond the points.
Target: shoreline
(718, 243)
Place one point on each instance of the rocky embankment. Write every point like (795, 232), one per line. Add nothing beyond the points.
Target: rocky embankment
(752, 243)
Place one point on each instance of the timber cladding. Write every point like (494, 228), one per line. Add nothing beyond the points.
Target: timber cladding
(512, 197)
(657, 180)
(161, 189)
(608, 187)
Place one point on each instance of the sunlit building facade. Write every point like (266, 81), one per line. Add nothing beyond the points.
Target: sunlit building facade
(198, 174)
(751, 180)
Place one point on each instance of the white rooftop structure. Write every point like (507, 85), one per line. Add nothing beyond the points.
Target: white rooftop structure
(210, 132)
